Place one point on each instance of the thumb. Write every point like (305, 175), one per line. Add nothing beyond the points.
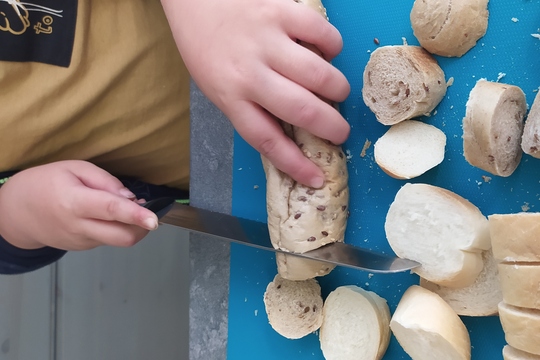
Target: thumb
(96, 178)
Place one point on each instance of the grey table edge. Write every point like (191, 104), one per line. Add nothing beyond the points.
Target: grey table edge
(211, 189)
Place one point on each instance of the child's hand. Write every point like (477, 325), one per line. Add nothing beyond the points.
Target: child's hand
(245, 56)
(70, 205)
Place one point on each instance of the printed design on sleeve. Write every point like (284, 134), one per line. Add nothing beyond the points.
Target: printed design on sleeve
(39, 31)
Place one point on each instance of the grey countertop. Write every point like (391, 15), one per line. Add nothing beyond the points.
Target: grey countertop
(210, 188)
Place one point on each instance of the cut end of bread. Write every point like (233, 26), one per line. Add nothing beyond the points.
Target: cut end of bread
(530, 142)
(294, 308)
(409, 149)
(295, 268)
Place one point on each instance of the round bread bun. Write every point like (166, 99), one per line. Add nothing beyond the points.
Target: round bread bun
(402, 82)
(449, 27)
(294, 308)
(409, 149)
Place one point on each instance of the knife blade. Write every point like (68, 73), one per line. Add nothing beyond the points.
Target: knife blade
(254, 233)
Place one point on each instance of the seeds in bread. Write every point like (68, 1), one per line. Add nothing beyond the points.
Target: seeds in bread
(449, 27)
(510, 353)
(479, 299)
(520, 284)
(515, 237)
(493, 127)
(402, 82)
(355, 321)
(521, 327)
(294, 308)
(427, 327)
(441, 230)
(292, 267)
(409, 149)
(530, 142)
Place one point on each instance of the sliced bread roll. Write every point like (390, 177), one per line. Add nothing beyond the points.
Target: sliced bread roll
(510, 353)
(493, 126)
(521, 327)
(520, 284)
(402, 82)
(449, 27)
(295, 268)
(479, 299)
(515, 237)
(294, 308)
(355, 325)
(530, 142)
(409, 149)
(441, 230)
(428, 328)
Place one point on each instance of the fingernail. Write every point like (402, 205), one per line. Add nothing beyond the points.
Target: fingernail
(150, 223)
(126, 193)
(317, 182)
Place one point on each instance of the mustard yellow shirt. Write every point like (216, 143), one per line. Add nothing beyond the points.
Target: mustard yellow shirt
(122, 103)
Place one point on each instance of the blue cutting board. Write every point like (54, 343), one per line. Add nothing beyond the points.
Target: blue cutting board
(507, 48)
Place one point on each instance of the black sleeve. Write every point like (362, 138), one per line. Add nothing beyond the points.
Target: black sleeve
(14, 260)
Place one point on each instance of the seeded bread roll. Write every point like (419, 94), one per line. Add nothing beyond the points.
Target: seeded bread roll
(493, 126)
(520, 283)
(294, 308)
(514, 237)
(302, 218)
(521, 327)
(510, 353)
(530, 142)
(449, 27)
(402, 82)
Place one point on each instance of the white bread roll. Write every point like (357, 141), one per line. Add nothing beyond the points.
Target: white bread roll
(449, 27)
(530, 142)
(442, 231)
(301, 218)
(294, 308)
(402, 82)
(479, 299)
(510, 353)
(520, 284)
(355, 325)
(409, 149)
(492, 127)
(521, 327)
(428, 328)
(515, 237)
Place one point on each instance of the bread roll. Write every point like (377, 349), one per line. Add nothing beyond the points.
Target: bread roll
(409, 149)
(520, 284)
(479, 299)
(530, 142)
(493, 126)
(510, 353)
(441, 230)
(515, 237)
(449, 27)
(355, 325)
(294, 308)
(428, 328)
(521, 327)
(402, 82)
(301, 218)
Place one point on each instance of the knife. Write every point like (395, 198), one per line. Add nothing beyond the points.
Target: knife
(254, 233)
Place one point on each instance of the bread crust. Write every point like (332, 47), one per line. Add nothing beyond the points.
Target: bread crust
(449, 27)
(521, 327)
(515, 237)
(510, 353)
(493, 126)
(520, 284)
(402, 82)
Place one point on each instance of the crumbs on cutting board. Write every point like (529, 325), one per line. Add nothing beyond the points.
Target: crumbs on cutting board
(500, 76)
(367, 144)
(450, 81)
(515, 19)
(525, 207)
(486, 178)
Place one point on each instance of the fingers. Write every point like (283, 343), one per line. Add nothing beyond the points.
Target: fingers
(262, 132)
(112, 233)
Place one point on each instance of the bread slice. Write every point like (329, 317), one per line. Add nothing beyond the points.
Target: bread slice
(428, 328)
(479, 299)
(530, 142)
(515, 237)
(294, 308)
(292, 267)
(449, 27)
(510, 353)
(520, 284)
(402, 82)
(493, 126)
(409, 149)
(355, 325)
(521, 327)
(441, 230)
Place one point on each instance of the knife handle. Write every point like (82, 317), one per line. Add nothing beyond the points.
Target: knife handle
(160, 206)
